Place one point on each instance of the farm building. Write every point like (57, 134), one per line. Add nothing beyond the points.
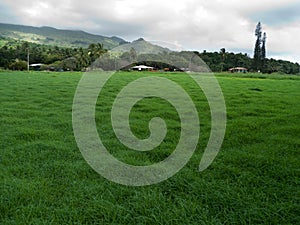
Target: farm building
(142, 68)
(238, 70)
(36, 66)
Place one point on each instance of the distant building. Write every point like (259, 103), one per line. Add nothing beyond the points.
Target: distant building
(36, 66)
(142, 68)
(238, 70)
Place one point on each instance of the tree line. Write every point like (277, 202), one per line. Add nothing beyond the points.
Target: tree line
(14, 55)
(223, 61)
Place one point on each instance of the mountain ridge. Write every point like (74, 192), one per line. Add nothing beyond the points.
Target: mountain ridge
(61, 37)
(46, 35)
(141, 46)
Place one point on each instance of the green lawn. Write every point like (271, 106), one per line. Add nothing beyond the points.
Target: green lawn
(254, 179)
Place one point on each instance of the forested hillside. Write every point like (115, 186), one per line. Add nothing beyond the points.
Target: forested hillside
(14, 55)
(56, 37)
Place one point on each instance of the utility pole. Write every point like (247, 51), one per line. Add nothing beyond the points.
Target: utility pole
(28, 59)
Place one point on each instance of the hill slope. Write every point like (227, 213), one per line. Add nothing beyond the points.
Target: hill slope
(71, 38)
(53, 36)
(141, 47)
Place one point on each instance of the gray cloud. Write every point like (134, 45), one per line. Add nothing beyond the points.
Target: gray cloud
(279, 16)
(7, 15)
(193, 24)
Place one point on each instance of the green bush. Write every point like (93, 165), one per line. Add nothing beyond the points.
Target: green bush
(18, 65)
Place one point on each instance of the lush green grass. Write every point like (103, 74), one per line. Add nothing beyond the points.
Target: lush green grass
(45, 180)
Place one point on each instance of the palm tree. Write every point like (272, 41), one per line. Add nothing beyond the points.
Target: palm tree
(82, 59)
(95, 51)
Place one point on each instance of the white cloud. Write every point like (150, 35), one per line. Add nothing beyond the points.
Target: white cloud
(193, 24)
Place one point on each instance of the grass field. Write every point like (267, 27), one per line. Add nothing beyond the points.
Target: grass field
(254, 179)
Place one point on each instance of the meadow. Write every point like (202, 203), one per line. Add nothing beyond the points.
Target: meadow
(254, 179)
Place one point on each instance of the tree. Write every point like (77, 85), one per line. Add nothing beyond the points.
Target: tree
(263, 54)
(18, 65)
(257, 50)
(83, 59)
(69, 64)
(263, 48)
(95, 51)
(258, 30)
(259, 59)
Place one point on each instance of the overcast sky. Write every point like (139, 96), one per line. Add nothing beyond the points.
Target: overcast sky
(178, 24)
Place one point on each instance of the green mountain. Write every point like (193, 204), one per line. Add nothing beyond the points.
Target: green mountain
(141, 47)
(74, 39)
(53, 36)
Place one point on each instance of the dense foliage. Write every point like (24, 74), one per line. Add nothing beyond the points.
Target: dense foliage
(218, 61)
(13, 55)
(53, 57)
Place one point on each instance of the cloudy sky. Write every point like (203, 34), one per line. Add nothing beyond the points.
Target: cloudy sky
(178, 24)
